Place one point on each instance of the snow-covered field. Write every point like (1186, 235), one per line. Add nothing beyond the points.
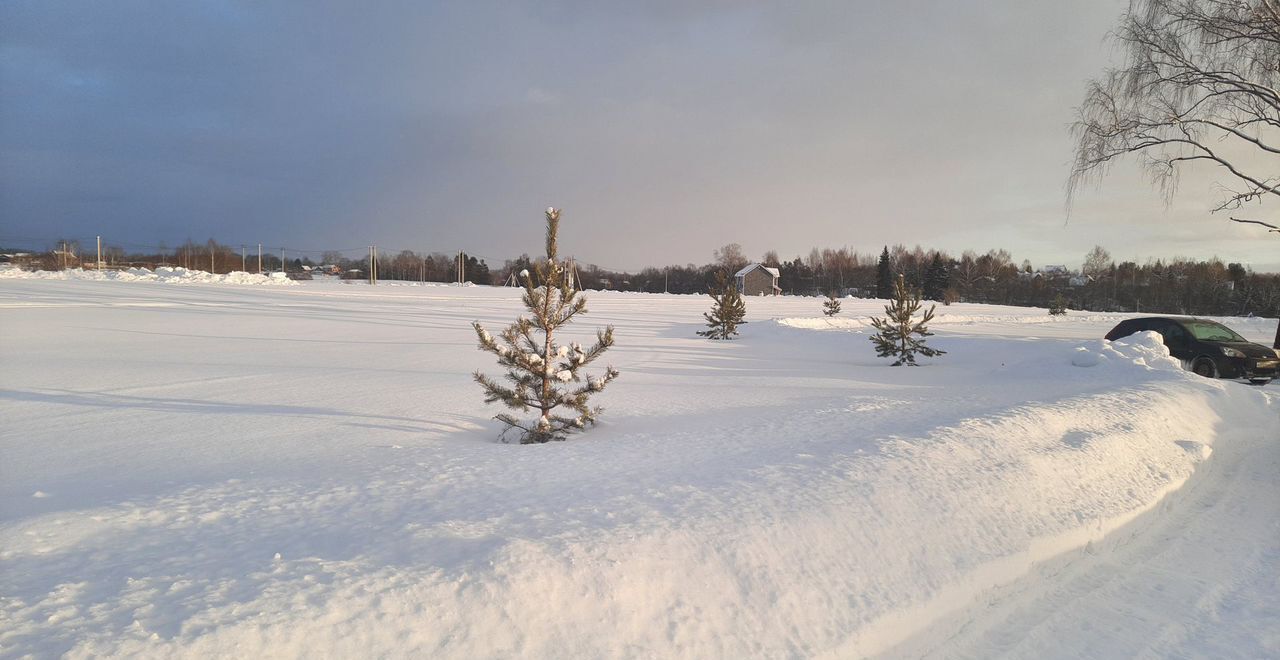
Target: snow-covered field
(308, 471)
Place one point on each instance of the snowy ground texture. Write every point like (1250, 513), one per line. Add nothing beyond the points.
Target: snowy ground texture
(218, 470)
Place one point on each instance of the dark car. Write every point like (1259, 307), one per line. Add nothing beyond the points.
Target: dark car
(1207, 347)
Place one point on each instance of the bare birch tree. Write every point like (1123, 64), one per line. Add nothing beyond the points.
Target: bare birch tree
(1198, 85)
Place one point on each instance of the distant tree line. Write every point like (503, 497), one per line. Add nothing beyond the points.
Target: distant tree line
(1177, 286)
(209, 256)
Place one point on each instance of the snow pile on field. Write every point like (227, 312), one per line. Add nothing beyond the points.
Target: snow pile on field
(426, 284)
(1144, 349)
(322, 480)
(166, 274)
(944, 318)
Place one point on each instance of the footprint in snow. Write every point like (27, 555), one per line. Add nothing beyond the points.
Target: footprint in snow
(1198, 450)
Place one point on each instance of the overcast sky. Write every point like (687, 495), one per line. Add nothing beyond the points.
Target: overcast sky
(664, 129)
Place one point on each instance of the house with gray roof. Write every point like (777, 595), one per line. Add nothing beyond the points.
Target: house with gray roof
(758, 280)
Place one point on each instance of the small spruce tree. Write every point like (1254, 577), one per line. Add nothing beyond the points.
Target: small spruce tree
(900, 335)
(1058, 306)
(727, 309)
(542, 375)
(831, 306)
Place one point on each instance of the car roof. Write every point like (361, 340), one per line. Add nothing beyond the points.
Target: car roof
(1180, 319)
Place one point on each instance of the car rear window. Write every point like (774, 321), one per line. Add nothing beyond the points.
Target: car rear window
(1124, 329)
(1210, 331)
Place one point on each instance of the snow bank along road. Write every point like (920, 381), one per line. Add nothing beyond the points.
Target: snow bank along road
(308, 471)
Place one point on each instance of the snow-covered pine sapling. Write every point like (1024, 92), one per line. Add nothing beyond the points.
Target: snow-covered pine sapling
(1058, 306)
(542, 375)
(727, 309)
(831, 306)
(900, 335)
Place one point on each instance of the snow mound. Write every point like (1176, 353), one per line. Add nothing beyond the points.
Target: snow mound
(822, 323)
(170, 275)
(942, 318)
(1145, 349)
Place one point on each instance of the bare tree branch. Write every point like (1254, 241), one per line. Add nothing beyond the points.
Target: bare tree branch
(1273, 228)
(1199, 86)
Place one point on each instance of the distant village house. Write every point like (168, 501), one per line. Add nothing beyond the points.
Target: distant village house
(758, 280)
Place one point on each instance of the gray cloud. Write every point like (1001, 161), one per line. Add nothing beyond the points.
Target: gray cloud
(664, 129)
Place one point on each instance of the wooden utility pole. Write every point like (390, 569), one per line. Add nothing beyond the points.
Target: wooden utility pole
(242, 268)
(99, 253)
(282, 260)
(259, 258)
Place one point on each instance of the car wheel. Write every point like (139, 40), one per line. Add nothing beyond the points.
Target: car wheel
(1205, 367)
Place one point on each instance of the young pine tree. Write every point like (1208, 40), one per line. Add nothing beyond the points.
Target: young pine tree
(1058, 306)
(542, 375)
(727, 309)
(831, 306)
(900, 335)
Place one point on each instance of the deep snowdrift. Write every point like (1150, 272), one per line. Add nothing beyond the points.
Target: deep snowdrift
(322, 480)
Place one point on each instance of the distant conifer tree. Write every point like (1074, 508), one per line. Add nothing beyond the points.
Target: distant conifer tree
(539, 371)
(900, 335)
(884, 276)
(727, 309)
(831, 306)
(1058, 307)
(937, 279)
